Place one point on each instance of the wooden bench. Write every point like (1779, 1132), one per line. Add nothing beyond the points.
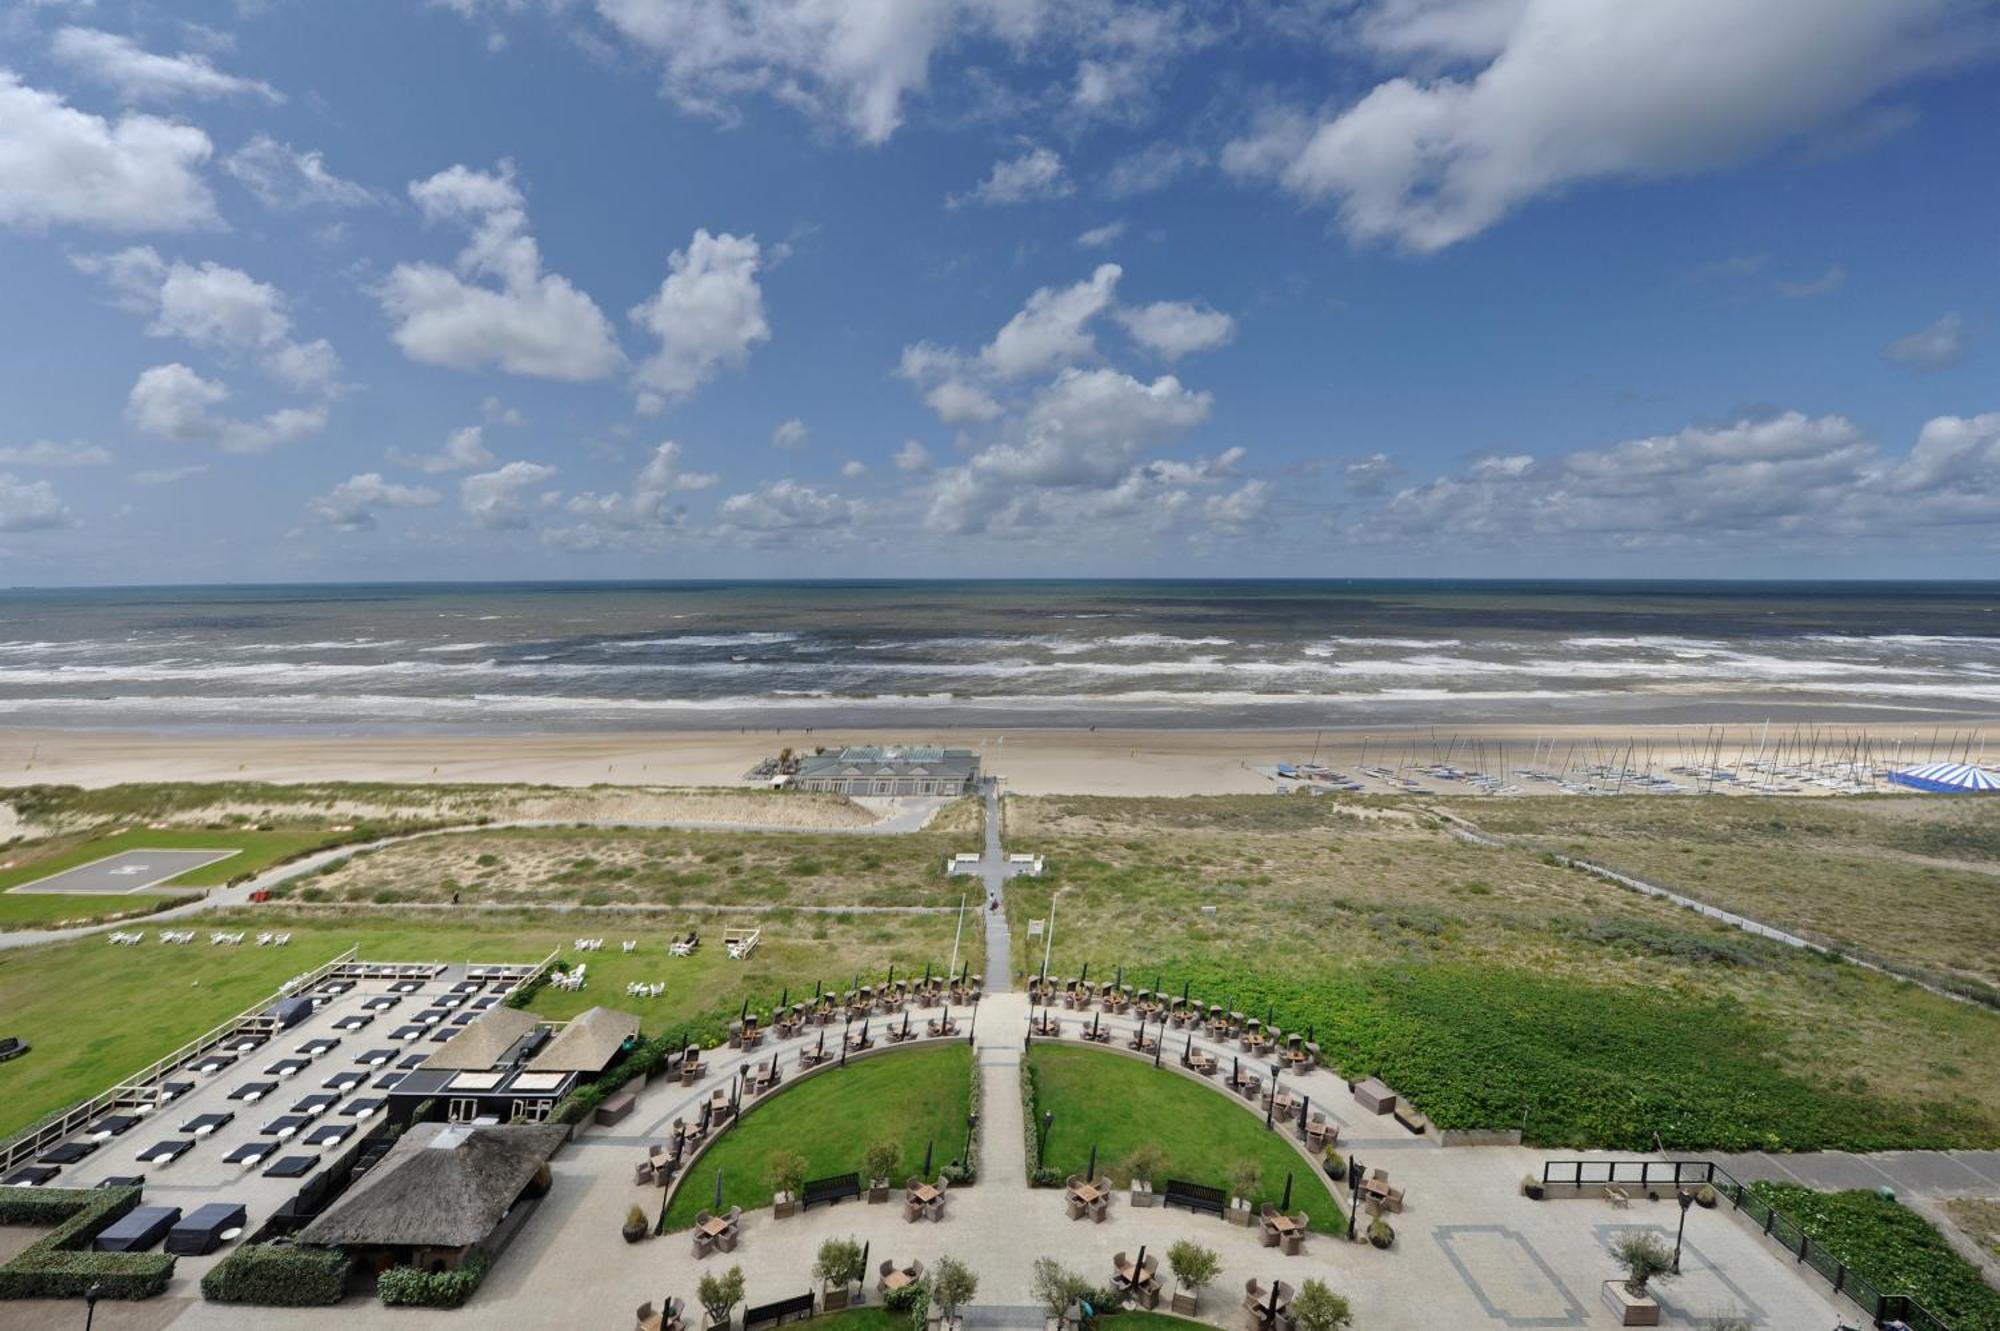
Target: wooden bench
(833, 1188)
(799, 1308)
(1195, 1197)
(1410, 1119)
(1617, 1196)
(616, 1107)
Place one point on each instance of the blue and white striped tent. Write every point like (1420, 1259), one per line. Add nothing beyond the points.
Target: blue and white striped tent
(1949, 779)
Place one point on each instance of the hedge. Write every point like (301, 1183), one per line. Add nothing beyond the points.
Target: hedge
(278, 1275)
(59, 1265)
(408, 1287)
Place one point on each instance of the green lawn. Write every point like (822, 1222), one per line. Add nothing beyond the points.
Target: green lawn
(39, 910)
(1115, 1103)
(911, 1098)
(255, 851)
(95, 1013)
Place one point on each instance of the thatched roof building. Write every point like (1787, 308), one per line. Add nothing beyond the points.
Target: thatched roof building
(443, 1188)
(483, 1043)
(587, 1044)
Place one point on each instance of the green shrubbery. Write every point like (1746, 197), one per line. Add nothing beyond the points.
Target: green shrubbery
(278, 1275)
(408, 1287)
(1893, 1248)
(58, 1265)
(1590, 1065)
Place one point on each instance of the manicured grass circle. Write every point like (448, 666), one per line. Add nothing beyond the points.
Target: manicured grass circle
(1118, 1103)
(831, 1118)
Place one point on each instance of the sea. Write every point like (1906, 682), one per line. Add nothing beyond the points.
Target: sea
(603, 656)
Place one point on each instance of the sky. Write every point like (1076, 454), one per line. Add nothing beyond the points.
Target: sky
(295, 290)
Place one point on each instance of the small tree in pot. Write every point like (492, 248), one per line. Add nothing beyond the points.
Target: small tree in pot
(1057, 1287)
(837, 1268)
(1317, 1308)
(1145, 1162)
(952, 1285)
(785, 1171)
(1645, 1259)
(719, 1295)
(1244, 1180)
(879, 1163)
(635, 1225)
(1194, 1268)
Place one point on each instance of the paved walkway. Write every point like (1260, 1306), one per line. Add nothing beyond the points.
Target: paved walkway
(1915, 1173)
(993, 873)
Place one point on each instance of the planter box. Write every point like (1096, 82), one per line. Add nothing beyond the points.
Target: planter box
(876, 1196)
(1186, 1305)
(832, 1299)
(783, 1207)
(1143, 1195)
(1630, 1309)
(1240, 1214)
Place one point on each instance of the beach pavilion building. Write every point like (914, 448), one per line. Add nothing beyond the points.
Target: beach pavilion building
(1949, 779)
(444, 1192)
(874, 769)
(511, 1066)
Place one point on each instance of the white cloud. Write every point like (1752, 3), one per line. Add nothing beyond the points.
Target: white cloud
(1248, 505)
(632, 517)
(1151, 168)
(790, 435)
(168, 475)
(138, 75)
(854, 469)
(1937, 347)
(173, 402)
(464, 449)
(48, 453)
(853, 62)
(708, 314)
(31, 506)
(1037, 173)
(913, 457)
(781, 508)
(64, 167)
(351, 505)
(525, 322)
(1099, 236)
(284, 179)
(1174, 328)
(1053, 328)
(1370, 475)
(1581, 90)
(499, 499)
(215, 307)
(1825, 284)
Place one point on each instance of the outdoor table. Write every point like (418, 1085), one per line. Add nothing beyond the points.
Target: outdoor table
(1284, 1224)
(716, 1226)
(200, 1233)
(136, 1230)
(924, 1193)
(1130, 1277)
(895, 1280)
(1086, 1193)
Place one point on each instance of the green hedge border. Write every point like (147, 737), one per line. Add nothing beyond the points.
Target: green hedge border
(60, 1265)
(278, 1275)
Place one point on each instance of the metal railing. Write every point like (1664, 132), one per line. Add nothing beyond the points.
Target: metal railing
(1883, 1307)
(143, 1086)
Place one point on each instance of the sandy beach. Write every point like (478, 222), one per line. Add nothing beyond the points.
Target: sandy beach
(1105, 762)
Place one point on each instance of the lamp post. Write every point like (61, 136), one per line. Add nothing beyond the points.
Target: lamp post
(90, 1298)
(1042, 1147)
(1353, 1194)
(1686, 1199)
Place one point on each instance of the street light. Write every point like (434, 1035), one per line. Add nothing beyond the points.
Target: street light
(90, 1298)
(1042, 1147)
(1686, 1199)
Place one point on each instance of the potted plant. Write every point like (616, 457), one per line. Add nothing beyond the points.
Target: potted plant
(785, 1171)
(1145, 1162)
(837, 1268)
(1705, 1197)
(879, 1163)
(719, 1295)
(1317, 1308)
(1644, 1258)
(1058, 1289)
(1335, 1167)
(1533, 1188)
(1194, 1268)
(1244, 1180)
(1380, 1234)
(952, 1286)
(635, 1225)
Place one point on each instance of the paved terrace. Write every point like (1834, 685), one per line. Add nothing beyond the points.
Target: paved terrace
(1470, 1251)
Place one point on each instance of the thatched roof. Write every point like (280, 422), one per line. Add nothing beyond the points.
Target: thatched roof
(444, 1185)
(479, 1046)
(588, 1043)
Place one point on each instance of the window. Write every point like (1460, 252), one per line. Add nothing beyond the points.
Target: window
(462, 1110)
(531, 1111)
